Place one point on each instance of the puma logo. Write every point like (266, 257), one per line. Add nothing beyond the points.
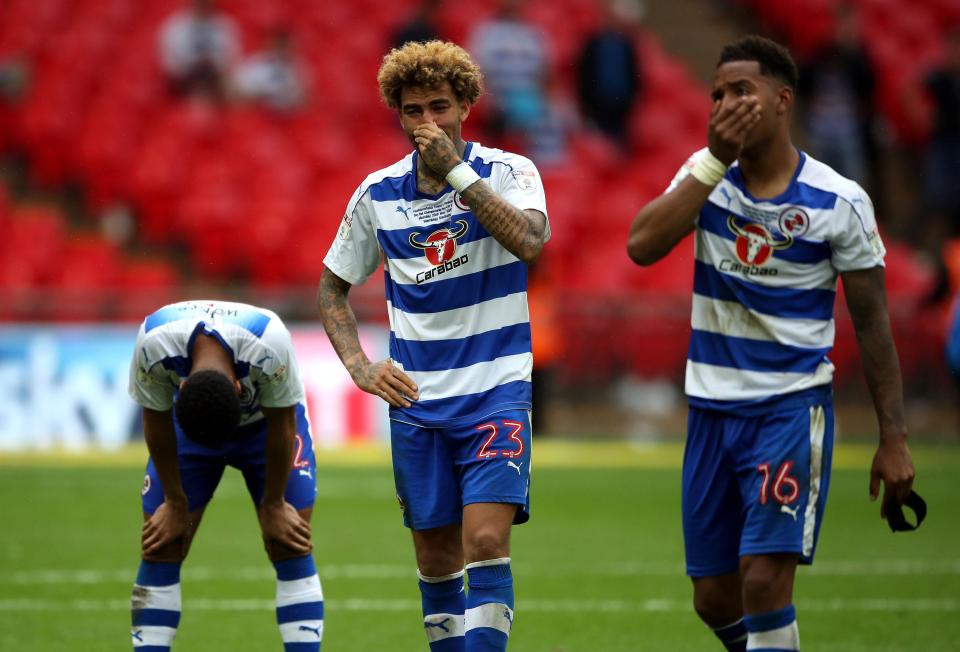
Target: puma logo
(441, 624)
(137, 635)
(508, 617)
(515, 466)
(787, 510)
(307, 628)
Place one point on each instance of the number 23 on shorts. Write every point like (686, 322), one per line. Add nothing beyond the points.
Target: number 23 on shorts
(492, 431)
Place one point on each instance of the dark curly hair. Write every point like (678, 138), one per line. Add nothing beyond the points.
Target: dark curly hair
(429, 64)
(208, 408)
(774, 59)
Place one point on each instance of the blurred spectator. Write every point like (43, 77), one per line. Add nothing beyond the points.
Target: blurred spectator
(837, 92)
(513, 57)
(274, 77)
(197, 47)
(421, 27)
(942, 165)
(14, 77)
(609, 79)
(548, 143)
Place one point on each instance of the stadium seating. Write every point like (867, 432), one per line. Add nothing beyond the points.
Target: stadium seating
(258, 197)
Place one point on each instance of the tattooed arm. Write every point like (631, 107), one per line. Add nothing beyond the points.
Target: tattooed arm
(382, 378)
(520, 232)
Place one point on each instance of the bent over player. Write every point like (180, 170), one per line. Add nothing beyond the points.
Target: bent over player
(774, 230)
(219, 386)
(456, 224)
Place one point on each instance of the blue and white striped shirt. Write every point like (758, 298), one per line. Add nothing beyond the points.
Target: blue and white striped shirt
(257, 340)
(765, 281)
(456, 298)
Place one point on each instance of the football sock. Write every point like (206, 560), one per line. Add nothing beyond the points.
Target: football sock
(773, 632)
(733, 636)
(155, 606)
(299, 604)
(443, 604)
(489, 615)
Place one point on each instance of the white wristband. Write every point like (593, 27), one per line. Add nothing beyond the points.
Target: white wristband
(709, 170)
(462, 177)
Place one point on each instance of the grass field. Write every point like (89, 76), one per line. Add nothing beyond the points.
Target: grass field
(598, 569)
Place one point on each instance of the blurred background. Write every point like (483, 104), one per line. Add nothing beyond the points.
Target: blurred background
(160, 150)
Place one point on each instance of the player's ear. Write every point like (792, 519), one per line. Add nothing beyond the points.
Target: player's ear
(464, 110)
(784, 100)
(236, 386)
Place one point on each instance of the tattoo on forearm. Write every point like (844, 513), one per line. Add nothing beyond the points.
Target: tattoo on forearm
(520, 234)
(340, 322)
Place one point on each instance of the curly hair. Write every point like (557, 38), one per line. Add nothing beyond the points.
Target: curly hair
(429, 65)
(774, 59)
(208, 408)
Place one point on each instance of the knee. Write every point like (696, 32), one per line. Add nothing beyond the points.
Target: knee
(760, 587)
(716, 610)
(487, 543)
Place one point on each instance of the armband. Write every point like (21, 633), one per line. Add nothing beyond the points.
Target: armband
(709, 170)
(462, 177)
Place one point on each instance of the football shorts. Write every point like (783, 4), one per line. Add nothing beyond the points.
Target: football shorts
(754, 485)
(201, 468)
(438, 471)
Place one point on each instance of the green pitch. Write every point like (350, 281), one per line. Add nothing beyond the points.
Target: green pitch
(598, 569)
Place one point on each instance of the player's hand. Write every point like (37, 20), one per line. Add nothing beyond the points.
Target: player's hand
(730, 124)
(436, 149)
(282, 524)
(892, 465)
(170, 523)
(383, 379)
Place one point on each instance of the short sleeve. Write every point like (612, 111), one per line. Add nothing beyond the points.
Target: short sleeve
(520, 184)
(855, 243)
(355, 253)
(684, 170)
(280, 384)
(149, 386)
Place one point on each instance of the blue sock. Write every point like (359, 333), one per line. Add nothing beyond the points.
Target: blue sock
(733, 636)
(773, 632)
(299, 604)
(489, 615)
(443, 604)
(155, 607)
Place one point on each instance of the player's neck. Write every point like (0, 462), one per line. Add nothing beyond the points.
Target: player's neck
(768, 171)
(208, 353)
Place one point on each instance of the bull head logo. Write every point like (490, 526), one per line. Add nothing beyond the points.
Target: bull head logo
(440, 245)
(755, 243)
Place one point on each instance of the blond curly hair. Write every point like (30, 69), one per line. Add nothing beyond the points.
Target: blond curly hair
(429, 65)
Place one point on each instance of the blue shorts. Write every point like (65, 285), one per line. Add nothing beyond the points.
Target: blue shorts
(201, 468)
(440, 470)
(754, 485)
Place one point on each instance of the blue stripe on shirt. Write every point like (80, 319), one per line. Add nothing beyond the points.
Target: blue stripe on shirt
(773, 301)
(753, 355)
(713, 219)
(440, 355)
(459, 292)
(463, 409)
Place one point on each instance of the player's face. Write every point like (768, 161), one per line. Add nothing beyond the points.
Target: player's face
(742, 79)
(420, 105)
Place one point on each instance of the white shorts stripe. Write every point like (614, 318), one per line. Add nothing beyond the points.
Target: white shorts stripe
(306, 589)
(818, 428)
(156, 597)
(152, 635)
(441, 626)
(495, 615)
(784, 638)
(302, 631)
